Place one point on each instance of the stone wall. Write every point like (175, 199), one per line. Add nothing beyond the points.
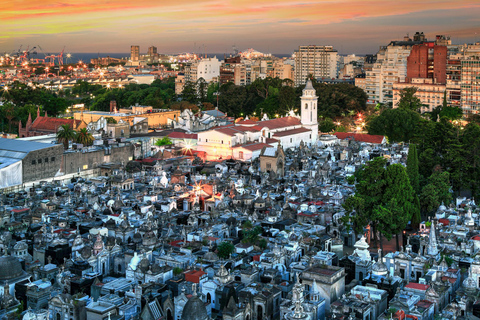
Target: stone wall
(43, 163)
(78, 161)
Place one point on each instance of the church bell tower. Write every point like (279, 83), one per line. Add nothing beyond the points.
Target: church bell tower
(309, 111)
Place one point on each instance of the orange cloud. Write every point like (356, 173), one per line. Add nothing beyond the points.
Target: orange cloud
(123, 19)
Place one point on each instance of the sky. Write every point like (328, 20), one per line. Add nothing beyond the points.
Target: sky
(273, 26)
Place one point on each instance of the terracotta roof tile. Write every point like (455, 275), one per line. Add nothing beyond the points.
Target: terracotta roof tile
(182, 135)
(417, 286)
(362, 137)
(280, 123)
(291, 132)
(52, 124)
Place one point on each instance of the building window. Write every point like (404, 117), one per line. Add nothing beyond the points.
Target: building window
(34, 162)
(39, 161)
(240, 154)
(52, 159)
(269, 166)
(46, 159)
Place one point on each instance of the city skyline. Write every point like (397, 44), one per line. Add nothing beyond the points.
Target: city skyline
(214, 26)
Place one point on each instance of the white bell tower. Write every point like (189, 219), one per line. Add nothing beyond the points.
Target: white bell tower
(309, 111)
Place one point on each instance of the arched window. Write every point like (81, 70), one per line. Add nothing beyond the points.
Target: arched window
(306, 105)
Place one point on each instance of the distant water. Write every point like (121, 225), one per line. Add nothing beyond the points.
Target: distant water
(86, 57)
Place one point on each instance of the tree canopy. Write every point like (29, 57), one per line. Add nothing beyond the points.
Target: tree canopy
(384, 199)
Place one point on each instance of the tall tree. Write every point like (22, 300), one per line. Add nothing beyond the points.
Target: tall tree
(384, 198)
(84, 137)
(408, 100)
(412, 168)
(436, 192)
(190, 93)
(65, 134)
(398, 203)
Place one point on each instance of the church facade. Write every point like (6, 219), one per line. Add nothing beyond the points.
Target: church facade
(244, 140)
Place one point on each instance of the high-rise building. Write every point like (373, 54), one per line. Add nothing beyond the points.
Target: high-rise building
(207, 68)
(426, 71)
(318, 61)
(427, 60)
(135, 53)
(390, 67)
(152, 55)
(470, 85)
(152, 51)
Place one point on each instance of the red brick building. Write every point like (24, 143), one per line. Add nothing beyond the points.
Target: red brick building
(45, 125)
(428, 60)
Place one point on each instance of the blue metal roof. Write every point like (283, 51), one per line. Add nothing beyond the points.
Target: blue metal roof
(15, 146)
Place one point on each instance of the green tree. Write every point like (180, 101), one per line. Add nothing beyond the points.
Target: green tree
(400, 124)
(451, 113)
(84, 137)
(435, 192)
(326, 125)
(177, 271)
(65, 134)
(8, 112)
(202, 89)
(111, 120)
(225, 249)
(163, 142)
(408, 100)
(190, 93)
(383, 199)
(412, 168)
(247, 225)
(470, 142)
(398, 203)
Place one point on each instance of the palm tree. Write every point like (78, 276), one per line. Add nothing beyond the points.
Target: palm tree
(64, 134)
(84, 137)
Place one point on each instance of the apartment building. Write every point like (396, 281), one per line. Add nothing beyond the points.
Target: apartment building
(206, 68)
(319, 61)
(470, 85)
(389, 68)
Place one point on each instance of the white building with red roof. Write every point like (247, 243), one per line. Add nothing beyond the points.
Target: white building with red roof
(245, 139)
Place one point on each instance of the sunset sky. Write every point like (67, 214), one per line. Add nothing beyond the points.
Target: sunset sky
(280, 26)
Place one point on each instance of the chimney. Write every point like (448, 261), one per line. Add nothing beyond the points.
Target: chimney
(113, 106)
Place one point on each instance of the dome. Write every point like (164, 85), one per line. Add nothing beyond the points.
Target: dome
(442, 207)
(10, 268)
(29, 315)
(86, 252)
(194, 309)
(379, 268)
(137, 238)
(21, 245)
(210, 256)
(144, 265)
(110, 224)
